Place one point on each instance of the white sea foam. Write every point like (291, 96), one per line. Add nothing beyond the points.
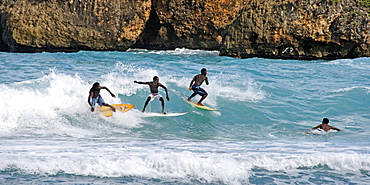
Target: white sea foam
(352, 88)
(361, 63)
(185, 51)
(204, 162)
(50, 102)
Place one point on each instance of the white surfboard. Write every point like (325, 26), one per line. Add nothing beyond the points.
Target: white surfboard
(315, 132)
(149, 114)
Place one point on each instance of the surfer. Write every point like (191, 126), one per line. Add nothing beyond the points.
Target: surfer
(324, 126)
(95, 97)
(195, 86)
(154, 92)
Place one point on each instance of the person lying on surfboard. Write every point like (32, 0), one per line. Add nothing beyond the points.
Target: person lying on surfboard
(154, 92)
(324, 126)
(195, 86)
(96, 98)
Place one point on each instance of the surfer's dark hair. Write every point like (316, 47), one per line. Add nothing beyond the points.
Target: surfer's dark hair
(325, 120)
(96, 84)
(203, 69)
(155, 78)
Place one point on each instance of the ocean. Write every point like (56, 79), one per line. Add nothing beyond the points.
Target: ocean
(48, 135)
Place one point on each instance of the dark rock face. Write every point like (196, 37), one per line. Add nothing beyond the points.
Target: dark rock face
(312, 29)
(191, 24)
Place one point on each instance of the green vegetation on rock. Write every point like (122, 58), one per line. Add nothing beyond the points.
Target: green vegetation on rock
(365, 3)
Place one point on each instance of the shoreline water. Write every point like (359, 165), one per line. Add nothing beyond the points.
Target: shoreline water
(49, 136)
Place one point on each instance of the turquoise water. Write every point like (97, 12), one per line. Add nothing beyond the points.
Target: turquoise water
(49, 136)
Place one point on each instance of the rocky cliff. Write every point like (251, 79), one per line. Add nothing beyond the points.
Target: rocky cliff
(64, 25)
(194, 24)
(312, 29)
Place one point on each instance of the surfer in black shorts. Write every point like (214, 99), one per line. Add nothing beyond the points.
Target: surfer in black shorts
(195, 86)
(154, 92)
(324, 126)
(95, 97)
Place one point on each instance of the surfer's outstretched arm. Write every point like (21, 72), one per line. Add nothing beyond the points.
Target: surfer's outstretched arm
(102, 87)
(141, 82)
(333, 128)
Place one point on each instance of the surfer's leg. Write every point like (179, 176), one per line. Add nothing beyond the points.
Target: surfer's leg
(113, 109)
(93, 102)
(162, 103)
(146, 103)
(101, 103)
(203, 97)
(191, 96)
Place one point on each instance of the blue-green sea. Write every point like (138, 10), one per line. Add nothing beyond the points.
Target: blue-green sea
(48, 135)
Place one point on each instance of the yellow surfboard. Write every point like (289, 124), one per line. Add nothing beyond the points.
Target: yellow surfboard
(107, 111)
(203, 107)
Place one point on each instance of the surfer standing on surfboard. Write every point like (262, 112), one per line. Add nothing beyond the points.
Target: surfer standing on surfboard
(95, 97)
(196, 83)
(154, 92)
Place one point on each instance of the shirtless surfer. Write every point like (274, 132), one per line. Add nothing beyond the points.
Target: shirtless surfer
(195, 86)
(154, 92)
(324, 126)
(95, 97)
